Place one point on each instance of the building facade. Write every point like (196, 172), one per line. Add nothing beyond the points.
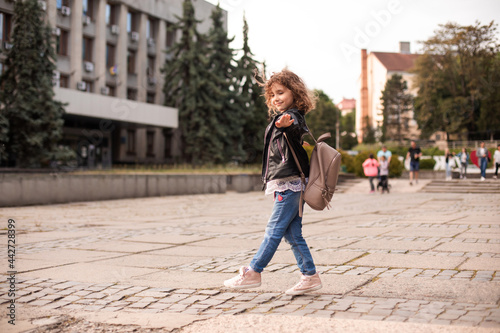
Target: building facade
(376, 69)
(109, 57)
(347, 105)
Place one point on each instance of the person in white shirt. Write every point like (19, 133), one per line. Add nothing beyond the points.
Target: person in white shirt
(496, 161)
(482, 156)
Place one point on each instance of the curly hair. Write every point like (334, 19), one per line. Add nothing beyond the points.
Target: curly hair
(303, 99)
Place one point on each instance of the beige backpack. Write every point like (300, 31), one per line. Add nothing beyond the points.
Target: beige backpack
(323, 174)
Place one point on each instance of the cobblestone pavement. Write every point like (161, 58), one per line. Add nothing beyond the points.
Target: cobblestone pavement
(405, 257)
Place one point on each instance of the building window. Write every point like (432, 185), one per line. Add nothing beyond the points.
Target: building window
(150, 98)
(62, 43)
(111, 90)
(111, 14)
(131, 142)
(150, 143)
(151, 28)
(5, 26)
(131, 62)
(60, 3)
(110, 55)
(87, 44)
(151, 66)
(132, 94)
(89, 86)
(88, 8)
(132, 21)
(64, 81)
(170, 36)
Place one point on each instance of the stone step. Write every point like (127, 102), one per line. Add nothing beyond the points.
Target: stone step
(462, 186)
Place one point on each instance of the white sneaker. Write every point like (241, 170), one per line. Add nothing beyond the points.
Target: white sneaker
(482, 178)
(307, 283)
(247, 278)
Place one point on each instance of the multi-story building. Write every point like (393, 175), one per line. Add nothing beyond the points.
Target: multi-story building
(376, 69)
(346, 105)
(109, 57)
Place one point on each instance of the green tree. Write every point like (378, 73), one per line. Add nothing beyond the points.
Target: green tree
(458, 81)
(368, 131)
(230, 111)
(324, 118)
(27, 108)
(252, 102)
(397, 104)
(348, 137)
(190, 87)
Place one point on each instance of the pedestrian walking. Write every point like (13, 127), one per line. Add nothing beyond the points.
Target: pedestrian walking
(370, 168)
(384, 174)
(496, 161)
(463, 156)
(288, 101)
(387, 154)
(414, 154)
(482, 156)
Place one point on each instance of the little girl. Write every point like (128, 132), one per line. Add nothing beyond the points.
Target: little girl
(288, 101)
(384, 174)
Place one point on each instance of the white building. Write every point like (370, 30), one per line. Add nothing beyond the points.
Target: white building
(376, 69)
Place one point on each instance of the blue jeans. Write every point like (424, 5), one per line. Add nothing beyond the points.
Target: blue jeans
(448, 170)
(284, 222)
(484, 163)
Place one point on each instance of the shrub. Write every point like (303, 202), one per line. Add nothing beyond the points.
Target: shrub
(432, 151)
(347, 161)
(395, 167)
(427, 163)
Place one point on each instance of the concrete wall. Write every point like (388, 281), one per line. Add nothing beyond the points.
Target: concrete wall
(36, 189)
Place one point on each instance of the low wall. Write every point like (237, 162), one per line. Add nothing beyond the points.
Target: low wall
(22, 189)
(36, 189)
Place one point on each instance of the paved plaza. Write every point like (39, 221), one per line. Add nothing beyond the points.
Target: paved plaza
(407, 261)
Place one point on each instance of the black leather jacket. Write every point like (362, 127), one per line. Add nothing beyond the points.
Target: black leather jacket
(278, 161)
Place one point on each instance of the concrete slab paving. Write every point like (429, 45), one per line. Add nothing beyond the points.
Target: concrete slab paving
(408, 261)
(432, 289)
(287, 324)
(166, 238)
(469, 247)
(148, 261)
(392, 245)
(92, 272)
(124, 246)
(481, 264)
(192, 251)
(404, 261)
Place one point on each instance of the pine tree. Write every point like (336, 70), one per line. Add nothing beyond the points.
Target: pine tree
(189, 87)
(34, 118)
(250, 93)
(324, 118)
(230, 112)
(397, 104)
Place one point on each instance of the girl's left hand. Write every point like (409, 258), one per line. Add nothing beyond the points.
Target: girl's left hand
(284, 121)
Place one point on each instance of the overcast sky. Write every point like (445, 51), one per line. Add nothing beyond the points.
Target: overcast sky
(321, 40)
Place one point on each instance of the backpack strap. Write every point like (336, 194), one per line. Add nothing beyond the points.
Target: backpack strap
(302, 176)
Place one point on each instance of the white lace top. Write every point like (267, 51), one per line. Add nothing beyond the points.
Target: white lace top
(292, 183)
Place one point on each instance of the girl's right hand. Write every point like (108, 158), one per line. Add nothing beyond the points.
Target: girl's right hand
(284, 121)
